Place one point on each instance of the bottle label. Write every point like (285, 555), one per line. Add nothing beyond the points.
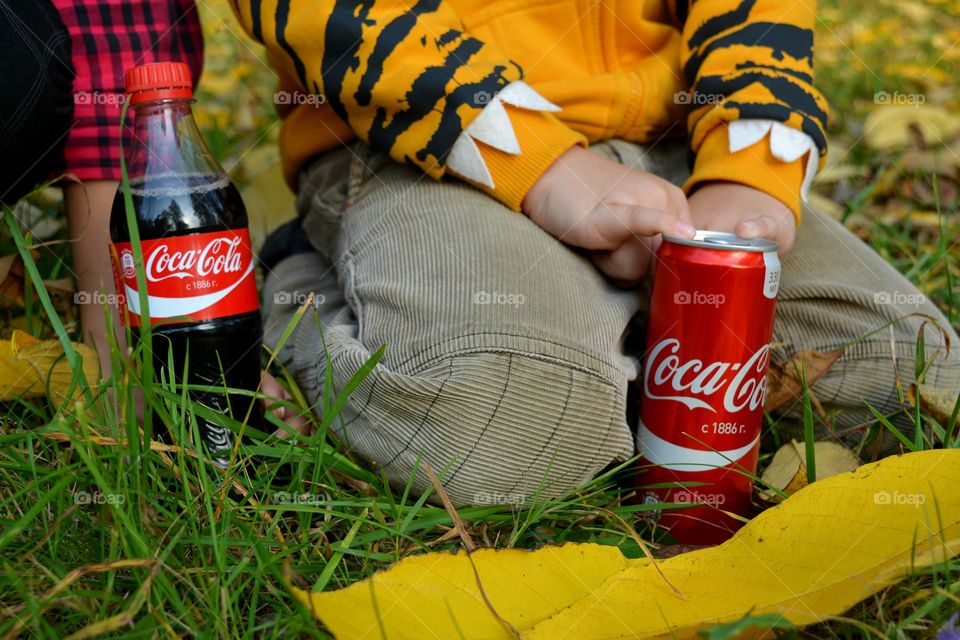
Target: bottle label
(189, 278)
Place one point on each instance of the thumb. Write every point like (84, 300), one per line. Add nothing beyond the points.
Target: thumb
(765, 227)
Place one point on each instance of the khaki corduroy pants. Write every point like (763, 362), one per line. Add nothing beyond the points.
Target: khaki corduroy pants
(505, 367)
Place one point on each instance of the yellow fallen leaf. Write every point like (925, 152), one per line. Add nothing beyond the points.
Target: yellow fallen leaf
(939, 403)
(797, 482)
(29, 368)
(888, 127)
(825, 205)
(436, 595)
(815, 555)
(787, 470)
(18, 378)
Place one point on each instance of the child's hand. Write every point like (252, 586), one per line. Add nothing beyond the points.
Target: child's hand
(748, 212)
(296, 423)
(588, 201)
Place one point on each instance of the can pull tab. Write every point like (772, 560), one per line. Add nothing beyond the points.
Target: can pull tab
(771, 275)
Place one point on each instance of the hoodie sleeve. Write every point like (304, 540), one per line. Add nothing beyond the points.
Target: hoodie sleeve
(407, 78)
(755, 117)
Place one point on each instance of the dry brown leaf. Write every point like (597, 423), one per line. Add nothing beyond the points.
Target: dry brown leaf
(930, 161)
(61, 293)
(787, 470)
(783, 381)
(11, 281)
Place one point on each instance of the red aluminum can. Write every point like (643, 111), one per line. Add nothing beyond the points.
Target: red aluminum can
(705, 379)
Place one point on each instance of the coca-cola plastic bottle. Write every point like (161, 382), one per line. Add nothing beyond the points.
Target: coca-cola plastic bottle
(197, 262)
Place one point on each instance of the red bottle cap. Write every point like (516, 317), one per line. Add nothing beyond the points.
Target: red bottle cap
(158, 81)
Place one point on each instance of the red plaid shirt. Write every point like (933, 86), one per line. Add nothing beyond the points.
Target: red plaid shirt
(108, 37)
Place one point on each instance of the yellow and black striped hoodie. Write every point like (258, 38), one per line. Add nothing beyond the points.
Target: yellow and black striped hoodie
(410, 76)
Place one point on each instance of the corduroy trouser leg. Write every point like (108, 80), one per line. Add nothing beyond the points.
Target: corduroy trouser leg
(505, 367)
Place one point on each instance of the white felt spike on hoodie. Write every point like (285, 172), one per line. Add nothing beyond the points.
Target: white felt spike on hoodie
(493, 128)
(520, 94)
(466, 160)
(786, 144)
(746, 133)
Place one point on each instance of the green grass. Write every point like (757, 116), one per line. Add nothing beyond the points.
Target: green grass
(149, 543)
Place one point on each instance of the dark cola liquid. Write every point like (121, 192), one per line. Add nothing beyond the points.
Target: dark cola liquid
(223, 352)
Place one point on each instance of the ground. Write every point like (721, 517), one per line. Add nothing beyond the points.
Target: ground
(158, 549)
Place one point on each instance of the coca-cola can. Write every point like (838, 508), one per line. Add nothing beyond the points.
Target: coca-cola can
(704, 381)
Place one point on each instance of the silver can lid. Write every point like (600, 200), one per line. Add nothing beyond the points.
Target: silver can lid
(724, 241)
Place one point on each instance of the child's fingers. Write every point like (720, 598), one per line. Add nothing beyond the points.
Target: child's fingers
(271, 388)
(627, 264)
(614, 224)
(295, 423)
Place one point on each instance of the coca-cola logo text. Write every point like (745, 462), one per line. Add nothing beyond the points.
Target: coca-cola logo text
(219, 256)
(694, 382)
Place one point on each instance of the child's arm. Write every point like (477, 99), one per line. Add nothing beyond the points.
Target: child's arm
(407, 78)
(756, 121)
(88, 207)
